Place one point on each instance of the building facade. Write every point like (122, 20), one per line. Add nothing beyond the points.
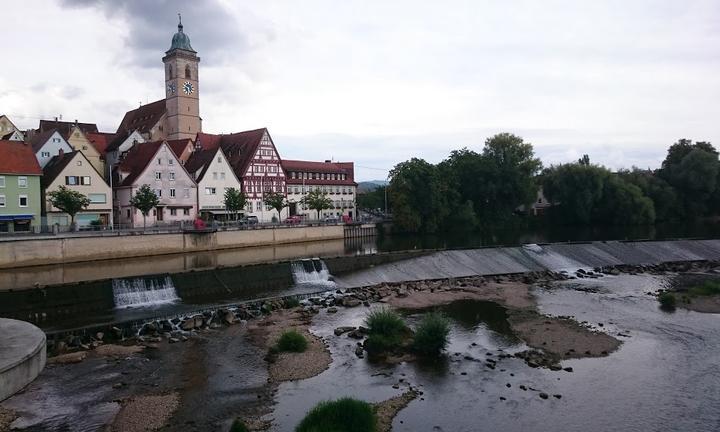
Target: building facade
(20, 196)
(214, 175)
(73, 171)
(47, 145)
(154, 164)
(336, 179)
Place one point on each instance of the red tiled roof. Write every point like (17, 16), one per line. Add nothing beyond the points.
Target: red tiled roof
(239, 147)
(179, 146)
(143, 118)
(100, 140)
(200, 160)
(347, 168)
(65, 127)
(16, 157)
(136, 160)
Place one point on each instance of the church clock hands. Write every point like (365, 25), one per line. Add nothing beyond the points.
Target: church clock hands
(188, 88)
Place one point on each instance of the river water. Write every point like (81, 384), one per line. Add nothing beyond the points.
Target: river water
(664, 377)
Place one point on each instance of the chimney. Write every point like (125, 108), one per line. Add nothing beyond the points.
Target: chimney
(61, 153)
(76, 122)
(56, 119)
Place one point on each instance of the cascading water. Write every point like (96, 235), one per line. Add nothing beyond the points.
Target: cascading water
(139, 292)
(311, 271)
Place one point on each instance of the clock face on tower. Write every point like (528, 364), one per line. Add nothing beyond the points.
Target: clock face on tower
(188, 88)
(171, 88)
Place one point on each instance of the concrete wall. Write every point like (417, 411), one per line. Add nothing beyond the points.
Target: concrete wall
(23, 355)
(28, 252)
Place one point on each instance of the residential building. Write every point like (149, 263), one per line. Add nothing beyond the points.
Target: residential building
(75, 172)
(334, 178)
(214, 175)
(177, 116)
(19, 188)
(47, 145)
(75, 133)
(13, 136)
(154, 164)
(120, 145)
(8, 129)
(255, 162)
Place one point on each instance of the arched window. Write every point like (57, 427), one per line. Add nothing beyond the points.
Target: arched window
(187, 72)
(170, 71)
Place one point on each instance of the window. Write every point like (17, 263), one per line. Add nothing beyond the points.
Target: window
(23, 201)
(22, 182)
(56, 140)
(172, 192)
(215, 176)
(79, 163)
(45, 154)
(259, 206)
(209, 191)
(159, 161)
(158, 192)
(158, 175)
(186, 212)
(171, 176)
(84, 147)
(219, 159)
(85, 181)
(222, 176)
(173, 211)
(188, 75)
(171, 162)
(2, 200)
(2, 181)
(186, 193)
(97, 198)
(127, 213)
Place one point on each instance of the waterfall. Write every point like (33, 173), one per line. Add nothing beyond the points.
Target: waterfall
(311, 271)
(143, 292)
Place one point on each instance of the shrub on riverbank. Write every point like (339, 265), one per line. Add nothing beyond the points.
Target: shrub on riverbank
(667, 301)
(238, 426)
(291, 341)
(291, 302)
(347, 415)
(707, 288)
(386, 331)
(431, 335)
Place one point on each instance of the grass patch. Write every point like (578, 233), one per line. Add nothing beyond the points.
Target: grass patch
(431, 335)
(667, 301)
(342, 415)
(291, 302)
(386, 331)
(291, 341)
(238, 426)
(706, 288)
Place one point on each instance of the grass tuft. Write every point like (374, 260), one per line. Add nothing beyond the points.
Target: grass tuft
(706, 288)
(342, 415)
(291, 341)
(431, 335)
(667, 301)
(238, 426)
(291, 302)
(386, 331)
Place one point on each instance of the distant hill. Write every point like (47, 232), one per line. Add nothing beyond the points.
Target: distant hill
(369, 186)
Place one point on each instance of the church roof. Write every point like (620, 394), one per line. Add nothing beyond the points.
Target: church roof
(180, 41)
(239, 147)
(143, 118)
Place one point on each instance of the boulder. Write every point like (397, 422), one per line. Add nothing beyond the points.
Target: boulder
(187, 324)
(342, 330)
(351, 302)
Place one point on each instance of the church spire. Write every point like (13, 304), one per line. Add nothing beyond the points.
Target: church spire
(180, 26)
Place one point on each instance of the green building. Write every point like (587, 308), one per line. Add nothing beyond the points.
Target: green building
(20, 193)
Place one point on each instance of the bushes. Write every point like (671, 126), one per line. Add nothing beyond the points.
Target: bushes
(291, 302)
(386, 331)
(707, 288)
(291, 341)
(431, 335)
(347, 415)
(238, 426)
(667, 301)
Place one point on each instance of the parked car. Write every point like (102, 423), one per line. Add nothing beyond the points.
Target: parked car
(249, 220)
(292, 220)
(331, 219)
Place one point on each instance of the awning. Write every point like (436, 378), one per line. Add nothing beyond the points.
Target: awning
(218, 212)
(10, 218)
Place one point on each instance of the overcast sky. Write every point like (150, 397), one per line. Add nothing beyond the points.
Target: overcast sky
(379, 82)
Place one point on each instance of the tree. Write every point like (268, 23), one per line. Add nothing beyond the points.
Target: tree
(623, 203)
(692, 169)
(372, 200)
(235, 201)
(317, 200)
(144, 200)
(69, 201)
(275, 200)
(419, 196)
(665, 199)
(576, 190)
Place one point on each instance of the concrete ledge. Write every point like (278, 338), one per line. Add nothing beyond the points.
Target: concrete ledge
(22, 355)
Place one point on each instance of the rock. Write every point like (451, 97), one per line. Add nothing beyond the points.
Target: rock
(199, 321)
(543, 395)
(356, 334)
(359, 351)
(99, 335)
(332, 309)
(557, 396)
(173, 340)
(187, 324)
(148, 328)
(568, 369)
(341, 330)
(523, 388)
(351, 302)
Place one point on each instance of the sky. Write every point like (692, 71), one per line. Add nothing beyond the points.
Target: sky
(379, 82)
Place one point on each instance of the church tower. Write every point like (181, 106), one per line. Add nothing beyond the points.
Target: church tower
(182, 92)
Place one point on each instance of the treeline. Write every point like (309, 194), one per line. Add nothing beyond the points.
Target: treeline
(470, 190)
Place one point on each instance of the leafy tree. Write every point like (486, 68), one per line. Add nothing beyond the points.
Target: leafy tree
(144, 200)
(464, 217)
(235, 201)
(419, 196)
(275, 200)
(317, 200)
(576, 190)
(372, 200)
(69, 201)
(692, 169)
(624, 204)
(665, 199)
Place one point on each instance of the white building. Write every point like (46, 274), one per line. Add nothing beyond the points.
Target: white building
(48, 144)
(214, 175)
(336, 179)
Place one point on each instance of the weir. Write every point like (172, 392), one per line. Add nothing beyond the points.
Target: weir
(311, 271)
(140, 292)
